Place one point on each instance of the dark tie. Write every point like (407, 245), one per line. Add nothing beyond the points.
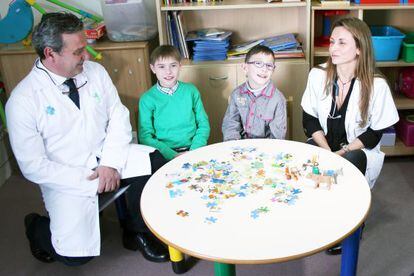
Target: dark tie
(73, 92)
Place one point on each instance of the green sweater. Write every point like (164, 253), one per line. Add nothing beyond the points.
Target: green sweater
(172, 121)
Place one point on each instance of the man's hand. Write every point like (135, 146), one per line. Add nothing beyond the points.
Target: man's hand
(109, 179)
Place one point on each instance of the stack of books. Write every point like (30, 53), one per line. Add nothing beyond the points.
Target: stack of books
(283, 46)
(280, 42)
(331, 3)
(170, 2)
(241, 49)
(209, 44)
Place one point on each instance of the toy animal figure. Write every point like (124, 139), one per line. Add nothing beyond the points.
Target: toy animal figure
(292, 172)
(328, 177)
(333, 174)
(320, 178)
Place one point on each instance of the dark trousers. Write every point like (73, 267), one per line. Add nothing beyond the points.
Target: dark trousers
(39, 230)
(357, 157)
(135, 223)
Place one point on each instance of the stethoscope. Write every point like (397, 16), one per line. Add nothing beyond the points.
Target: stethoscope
(50, 77)
(331, 115)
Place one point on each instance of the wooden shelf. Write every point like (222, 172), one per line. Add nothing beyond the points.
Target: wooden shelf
(398, 150)
(231, 5)
(397, 63)
(323, 52)
(402, 102)
(317, 6)
(186, 62)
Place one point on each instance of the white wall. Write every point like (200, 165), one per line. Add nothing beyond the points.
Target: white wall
(92, 6)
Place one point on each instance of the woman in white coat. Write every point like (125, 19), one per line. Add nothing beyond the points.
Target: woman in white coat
(346, 104)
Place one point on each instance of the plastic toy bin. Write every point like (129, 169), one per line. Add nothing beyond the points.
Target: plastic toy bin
(130, 20)
(386, 41)
(408, 48)
(405, 129)
(379, 2)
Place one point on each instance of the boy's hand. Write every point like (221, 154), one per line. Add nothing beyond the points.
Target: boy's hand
(109, 179)
(180, 153)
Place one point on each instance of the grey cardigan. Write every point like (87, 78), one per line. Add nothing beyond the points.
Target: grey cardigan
(248, 116)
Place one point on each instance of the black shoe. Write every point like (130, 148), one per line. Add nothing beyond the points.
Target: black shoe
(334, 250)
(151, 248)
(37, 252)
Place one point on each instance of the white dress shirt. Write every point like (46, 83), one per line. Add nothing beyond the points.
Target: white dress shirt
(57, 146)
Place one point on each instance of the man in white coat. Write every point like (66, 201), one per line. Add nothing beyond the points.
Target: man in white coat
(71, 135)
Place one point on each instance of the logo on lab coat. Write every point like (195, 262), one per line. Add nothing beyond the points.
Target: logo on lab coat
(50, 110)
(97, 97)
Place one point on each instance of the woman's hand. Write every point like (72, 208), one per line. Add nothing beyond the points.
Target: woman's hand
(340, 152)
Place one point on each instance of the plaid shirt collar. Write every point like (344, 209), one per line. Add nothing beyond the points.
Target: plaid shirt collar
(167, 90)
(267, 91)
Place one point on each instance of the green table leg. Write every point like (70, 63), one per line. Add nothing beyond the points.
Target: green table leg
(177, 260)
(221, 269)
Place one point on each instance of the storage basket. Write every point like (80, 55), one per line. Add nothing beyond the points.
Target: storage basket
(387, 42)
(408, 48)
(380, 1)
(130, 20)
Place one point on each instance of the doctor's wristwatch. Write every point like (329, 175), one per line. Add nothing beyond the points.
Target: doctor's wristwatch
(345, 147)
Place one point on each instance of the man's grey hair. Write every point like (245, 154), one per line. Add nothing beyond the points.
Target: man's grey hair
(48, 33)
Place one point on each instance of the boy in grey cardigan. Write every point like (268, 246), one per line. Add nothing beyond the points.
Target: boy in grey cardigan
(257, 109)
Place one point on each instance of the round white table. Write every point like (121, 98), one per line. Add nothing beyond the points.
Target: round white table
(255, 202)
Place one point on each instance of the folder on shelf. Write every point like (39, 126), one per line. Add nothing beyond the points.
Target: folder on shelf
(182, 32)
(208, 34)
(168, 28)
(280, 42)
(245, 46)
(335, 2)
(174, 33)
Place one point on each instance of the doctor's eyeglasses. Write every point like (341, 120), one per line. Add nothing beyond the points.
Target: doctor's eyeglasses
(260, 64)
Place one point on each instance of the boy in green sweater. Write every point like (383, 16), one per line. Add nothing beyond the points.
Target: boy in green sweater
(171, 115)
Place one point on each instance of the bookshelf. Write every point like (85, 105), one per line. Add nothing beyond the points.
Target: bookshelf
(400, 16)
(248, 20)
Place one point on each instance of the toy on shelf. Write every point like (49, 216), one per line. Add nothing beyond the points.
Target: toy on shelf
(18, 23)
(406, 81)
(73, 9)
(323, 41)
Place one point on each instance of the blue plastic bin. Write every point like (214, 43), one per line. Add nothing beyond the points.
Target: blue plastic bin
(387, 42)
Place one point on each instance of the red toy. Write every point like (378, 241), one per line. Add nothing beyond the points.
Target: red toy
(406, 81)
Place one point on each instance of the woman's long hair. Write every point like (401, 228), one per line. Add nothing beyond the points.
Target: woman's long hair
(365, 65)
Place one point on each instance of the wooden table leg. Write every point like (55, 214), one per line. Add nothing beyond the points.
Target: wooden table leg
(350, 249)
(221, 269)
(177, 260)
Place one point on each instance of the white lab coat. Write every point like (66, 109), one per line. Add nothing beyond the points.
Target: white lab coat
(382, 114)
(57, 145)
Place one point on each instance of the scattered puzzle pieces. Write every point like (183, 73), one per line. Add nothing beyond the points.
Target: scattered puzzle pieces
(245, 173)
(182, 213)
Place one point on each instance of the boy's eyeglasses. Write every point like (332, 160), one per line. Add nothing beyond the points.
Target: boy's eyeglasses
(260, 64)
